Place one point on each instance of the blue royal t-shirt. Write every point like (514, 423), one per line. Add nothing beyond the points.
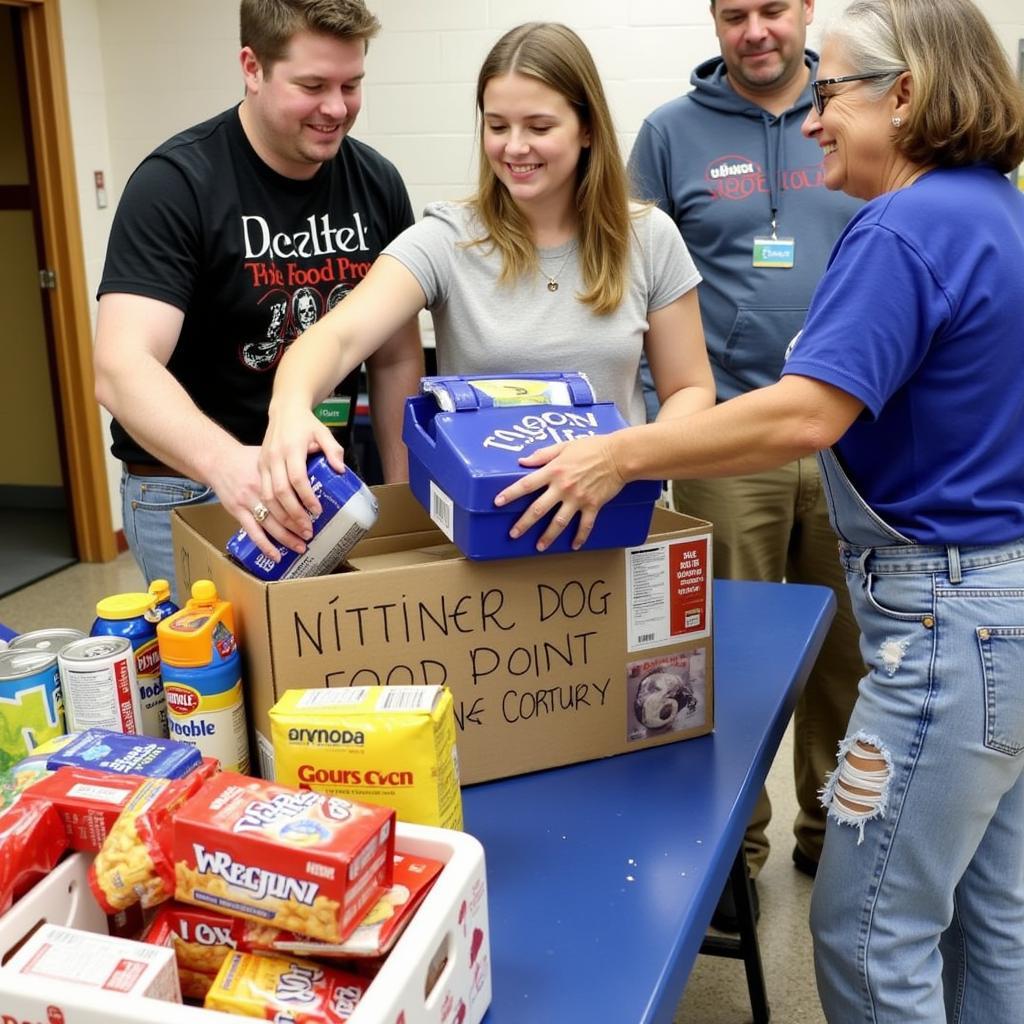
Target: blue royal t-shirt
(920, 315)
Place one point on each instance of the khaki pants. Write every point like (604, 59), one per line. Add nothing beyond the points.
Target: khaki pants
(774, 526)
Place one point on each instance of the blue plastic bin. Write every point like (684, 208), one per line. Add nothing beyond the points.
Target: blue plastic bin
(459, 461)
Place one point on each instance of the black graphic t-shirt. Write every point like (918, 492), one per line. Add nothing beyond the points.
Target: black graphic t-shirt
(251, 257)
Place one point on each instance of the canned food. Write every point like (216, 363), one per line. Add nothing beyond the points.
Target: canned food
(31, 709)
(347, 510)
(134, 616)
(52, 639)
(100, 689)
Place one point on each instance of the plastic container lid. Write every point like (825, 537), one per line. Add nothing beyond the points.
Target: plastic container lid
(125, 606)
(160, 590)
(188, 637)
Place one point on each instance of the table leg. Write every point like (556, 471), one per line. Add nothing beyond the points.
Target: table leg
(746, 947)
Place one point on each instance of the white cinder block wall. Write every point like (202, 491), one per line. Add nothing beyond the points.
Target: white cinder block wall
(140, 70)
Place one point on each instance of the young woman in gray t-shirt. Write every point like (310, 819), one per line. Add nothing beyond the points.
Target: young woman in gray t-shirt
(549, 266)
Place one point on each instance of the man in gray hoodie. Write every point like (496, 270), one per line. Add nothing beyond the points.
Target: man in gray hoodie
(728, 163)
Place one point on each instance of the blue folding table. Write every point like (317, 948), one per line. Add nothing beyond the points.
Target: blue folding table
(602, 877)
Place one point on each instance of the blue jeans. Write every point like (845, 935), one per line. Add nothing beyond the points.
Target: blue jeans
(146, 504)
(918, 906)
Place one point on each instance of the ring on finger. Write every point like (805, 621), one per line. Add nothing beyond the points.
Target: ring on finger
(260, 511)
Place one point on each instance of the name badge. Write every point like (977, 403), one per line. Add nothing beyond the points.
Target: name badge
(778, 253)
(334, 411)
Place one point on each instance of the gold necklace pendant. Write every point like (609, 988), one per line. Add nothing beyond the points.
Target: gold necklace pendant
(552, 279)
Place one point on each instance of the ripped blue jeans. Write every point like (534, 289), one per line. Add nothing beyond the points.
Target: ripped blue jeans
(918, 907)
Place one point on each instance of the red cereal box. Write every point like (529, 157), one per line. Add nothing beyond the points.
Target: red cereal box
(88, 802)
(201, 939)
(301, 861)
(380, 928)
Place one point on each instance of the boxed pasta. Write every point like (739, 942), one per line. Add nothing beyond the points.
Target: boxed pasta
(284, 988)
(88, 801)
(133, 865)
(112, 965)
(293, 859)
(201, 939)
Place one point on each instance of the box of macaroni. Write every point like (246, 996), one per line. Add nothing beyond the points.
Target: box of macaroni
(110, 965)
(292, 859)
(389, 745)
(284, 988)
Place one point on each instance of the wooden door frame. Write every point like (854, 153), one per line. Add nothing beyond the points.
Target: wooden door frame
(63, 252)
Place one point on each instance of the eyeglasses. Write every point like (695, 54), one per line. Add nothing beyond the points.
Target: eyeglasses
(820, 99)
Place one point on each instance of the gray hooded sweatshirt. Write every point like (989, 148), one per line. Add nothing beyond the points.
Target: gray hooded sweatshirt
(717, 164)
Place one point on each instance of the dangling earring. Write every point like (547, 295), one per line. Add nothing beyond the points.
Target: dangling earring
(897, 121)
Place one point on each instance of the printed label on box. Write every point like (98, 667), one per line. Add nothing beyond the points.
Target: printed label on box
(667, 694)
(668, 592)
(101, 793)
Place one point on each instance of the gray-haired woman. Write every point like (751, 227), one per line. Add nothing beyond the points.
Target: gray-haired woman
(909, 364)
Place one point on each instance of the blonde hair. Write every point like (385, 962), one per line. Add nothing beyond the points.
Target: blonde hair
(556, 56)
(967, 103)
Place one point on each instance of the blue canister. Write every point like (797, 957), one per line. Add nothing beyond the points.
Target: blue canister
(132, 616)
(347, 510)
(203, 678)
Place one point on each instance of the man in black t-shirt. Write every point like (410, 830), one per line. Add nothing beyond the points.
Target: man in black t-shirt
(231, 239)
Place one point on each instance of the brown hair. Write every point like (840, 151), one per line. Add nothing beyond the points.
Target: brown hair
(267, 26)
(556, 56)
(967, 103)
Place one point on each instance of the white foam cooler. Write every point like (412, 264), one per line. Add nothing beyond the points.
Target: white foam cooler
(450, 928)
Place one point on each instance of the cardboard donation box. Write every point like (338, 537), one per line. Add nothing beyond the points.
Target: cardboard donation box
(549, 660)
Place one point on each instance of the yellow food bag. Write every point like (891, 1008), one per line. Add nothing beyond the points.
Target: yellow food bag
(389, 745)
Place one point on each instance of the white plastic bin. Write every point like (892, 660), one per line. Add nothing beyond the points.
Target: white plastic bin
(450, 927)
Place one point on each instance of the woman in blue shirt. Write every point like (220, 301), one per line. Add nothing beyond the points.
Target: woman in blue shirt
(906, 379)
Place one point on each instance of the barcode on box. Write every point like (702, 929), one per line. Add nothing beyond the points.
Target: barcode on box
(645, 638)
(408, 698)
(339, 697)
(441, 509)
(265, 753)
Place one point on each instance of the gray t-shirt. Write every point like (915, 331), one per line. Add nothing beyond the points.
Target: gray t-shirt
(482, 326)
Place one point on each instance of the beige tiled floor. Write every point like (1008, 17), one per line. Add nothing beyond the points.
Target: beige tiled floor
(68, 598)
(717, 992)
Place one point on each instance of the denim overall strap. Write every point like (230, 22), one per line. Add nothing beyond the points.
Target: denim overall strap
(852, 518)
